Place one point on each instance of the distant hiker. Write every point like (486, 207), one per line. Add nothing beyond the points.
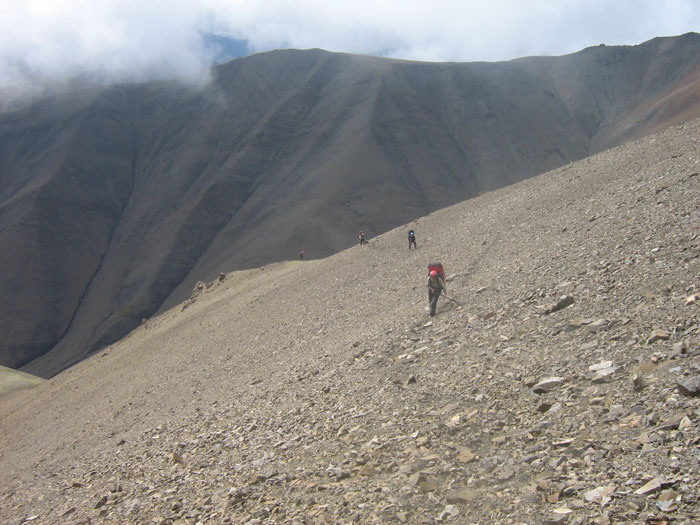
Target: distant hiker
(301, 255)
(412, 239)
(436, 284)
(361, 237)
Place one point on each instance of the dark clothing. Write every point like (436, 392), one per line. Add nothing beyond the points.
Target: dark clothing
(433, 297)
(362, 238)
(412, 240)
(435, 288)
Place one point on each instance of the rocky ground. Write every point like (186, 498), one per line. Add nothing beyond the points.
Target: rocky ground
(558, 384)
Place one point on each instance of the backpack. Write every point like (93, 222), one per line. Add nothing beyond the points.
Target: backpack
(438, 267)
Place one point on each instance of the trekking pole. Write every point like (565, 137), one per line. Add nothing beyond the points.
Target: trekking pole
(453, 300)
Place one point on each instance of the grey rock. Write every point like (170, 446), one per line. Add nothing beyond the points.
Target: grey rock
(689, 387)
(547, 385)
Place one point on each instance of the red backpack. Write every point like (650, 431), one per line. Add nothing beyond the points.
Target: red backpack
(438, 267)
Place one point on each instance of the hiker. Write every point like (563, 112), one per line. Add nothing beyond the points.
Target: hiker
(412, 239)
(436, 285)
(361, 237)
(301, 255)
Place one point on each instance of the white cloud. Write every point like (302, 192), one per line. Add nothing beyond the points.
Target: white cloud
(44, 42)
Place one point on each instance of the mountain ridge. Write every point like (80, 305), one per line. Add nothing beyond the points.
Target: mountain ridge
(285, 151)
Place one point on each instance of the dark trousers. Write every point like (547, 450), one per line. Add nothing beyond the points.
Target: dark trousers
(433, 298)
(413, 242)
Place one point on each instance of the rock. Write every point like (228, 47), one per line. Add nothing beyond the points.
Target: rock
(601, 366)
(685, 423)
(679, 348)
(177, 457)
(689, 387)
(463, 496)
(672, 422)
(658, 335)
(563, 302)
(450, 511)
(667, 500)
(465, 455)
(650, 487)
(692, 299)
(555, 519)
(599, 494)
(638, 383)
(547, 385)
(603, 375)
(530, 381)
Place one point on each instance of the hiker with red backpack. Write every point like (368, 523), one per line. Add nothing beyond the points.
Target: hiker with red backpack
(362, 237)
(436, 284)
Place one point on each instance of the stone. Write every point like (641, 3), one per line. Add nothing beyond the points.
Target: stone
(657, 335)
(672, 422)
(638, 383)
(463, 496)
(599, 495)
(556, 519)
(547, 385)
(650, 487)
(689, 387)
(600, 366)
(679, 348)
(667, 500)
(685, 424)
(692, 299)
(563, 302)
(603, 375)
(530, 381)
(466, 456)
(450, 511)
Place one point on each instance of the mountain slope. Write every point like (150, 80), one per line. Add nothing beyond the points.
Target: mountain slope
(118, 201)
(321, 391)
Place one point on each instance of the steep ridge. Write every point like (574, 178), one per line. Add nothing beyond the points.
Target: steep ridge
(284, 151)
(322, 392)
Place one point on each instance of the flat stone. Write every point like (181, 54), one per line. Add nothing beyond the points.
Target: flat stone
(547, 385)
(599, 494)
(658, 335)
(463, 496)
(604, 375)
(601, 366)
(672, 422)
(650, 487)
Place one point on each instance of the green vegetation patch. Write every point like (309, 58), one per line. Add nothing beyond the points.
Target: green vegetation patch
(11, 380)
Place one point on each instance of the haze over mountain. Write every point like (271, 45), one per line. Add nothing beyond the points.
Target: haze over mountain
(117, 200)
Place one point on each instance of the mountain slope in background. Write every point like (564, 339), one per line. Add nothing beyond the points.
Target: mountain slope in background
(117, 201)
(322, 392)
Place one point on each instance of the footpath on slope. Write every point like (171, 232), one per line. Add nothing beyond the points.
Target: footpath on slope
(323, 393)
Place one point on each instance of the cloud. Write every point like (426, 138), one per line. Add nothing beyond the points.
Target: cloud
(47, 42)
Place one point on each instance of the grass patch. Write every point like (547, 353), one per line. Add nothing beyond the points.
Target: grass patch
(11, 380)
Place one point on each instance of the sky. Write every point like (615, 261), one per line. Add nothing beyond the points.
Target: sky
(48, 42)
